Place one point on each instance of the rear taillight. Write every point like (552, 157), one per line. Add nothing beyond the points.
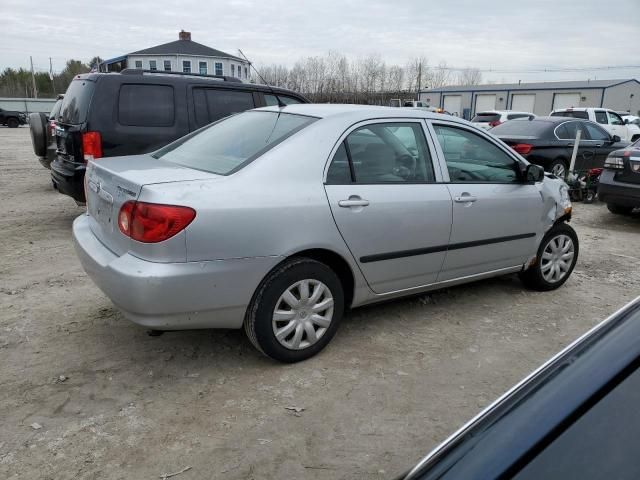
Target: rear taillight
(495, 123)
(614, 163)
(91, 145)
(52, 127)
(152, 222)
(522, 148)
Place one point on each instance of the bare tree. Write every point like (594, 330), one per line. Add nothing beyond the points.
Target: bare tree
(469, 76)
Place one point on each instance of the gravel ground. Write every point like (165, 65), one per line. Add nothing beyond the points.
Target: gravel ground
(86, 394)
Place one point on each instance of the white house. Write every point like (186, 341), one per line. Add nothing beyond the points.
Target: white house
(182, 55)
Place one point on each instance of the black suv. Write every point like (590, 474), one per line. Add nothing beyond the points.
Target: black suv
(137, 111)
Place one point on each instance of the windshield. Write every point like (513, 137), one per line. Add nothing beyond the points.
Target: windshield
(530, 128)
(228, 145)
(486, 117)
(75, 104)
(571, 114)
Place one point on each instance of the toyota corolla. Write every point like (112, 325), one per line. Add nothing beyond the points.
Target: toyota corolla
(279, 219)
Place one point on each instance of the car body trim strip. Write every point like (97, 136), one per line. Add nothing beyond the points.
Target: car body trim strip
(441, 248)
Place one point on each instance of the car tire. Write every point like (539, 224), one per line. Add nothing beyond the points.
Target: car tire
(38, 130)
(619, 209)
(13, 122)
(553, 267)
(273, 310)
(558, 167)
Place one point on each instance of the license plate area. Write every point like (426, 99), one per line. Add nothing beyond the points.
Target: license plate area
(100, 205)
(635, 166)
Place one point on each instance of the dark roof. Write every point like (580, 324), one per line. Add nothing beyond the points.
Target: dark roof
(532, 86)
(185, 47)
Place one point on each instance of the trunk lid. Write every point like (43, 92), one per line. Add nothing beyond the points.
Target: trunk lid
(110, 182)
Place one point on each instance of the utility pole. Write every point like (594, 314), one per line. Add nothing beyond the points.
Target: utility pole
(53, 82)
(419, 80)
(33, 78)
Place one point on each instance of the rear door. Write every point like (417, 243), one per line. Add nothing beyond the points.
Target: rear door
(388, 204)
(496, 216)
(602, 144)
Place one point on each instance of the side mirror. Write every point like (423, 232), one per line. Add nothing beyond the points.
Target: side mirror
(534, 173)
(615, 138)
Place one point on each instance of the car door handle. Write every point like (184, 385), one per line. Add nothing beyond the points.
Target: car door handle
(353, 202)
(465, 199)
(598, 145)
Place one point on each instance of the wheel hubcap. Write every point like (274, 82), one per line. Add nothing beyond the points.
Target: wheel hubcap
(558, 170)
(557, 258)
(302, 314)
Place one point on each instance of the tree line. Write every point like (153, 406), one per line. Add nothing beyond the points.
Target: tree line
(369, 80)
(19, 83)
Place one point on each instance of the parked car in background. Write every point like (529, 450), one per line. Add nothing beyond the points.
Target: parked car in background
(633, 124)
(136, 111)
(277, 219)
(575, 417)
(493, 118)
(549, 141)
(43, 133)
(619, 185)
(12, 118)
(608, 119)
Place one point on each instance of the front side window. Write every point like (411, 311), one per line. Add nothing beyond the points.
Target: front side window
(232, 143)
(138, 63)
(595, 132)
(383, 153)
(186, 66)
(601, 117)
(203, 68)
(153, 65)
(167, 65)
(615, 119)
(474, 159)
(219, 70)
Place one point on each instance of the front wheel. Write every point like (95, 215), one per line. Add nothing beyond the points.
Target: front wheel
(295, 311)
(558, 167)
(13, 123)
(557, 256)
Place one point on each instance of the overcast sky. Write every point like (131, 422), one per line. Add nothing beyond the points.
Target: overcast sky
(488, 34)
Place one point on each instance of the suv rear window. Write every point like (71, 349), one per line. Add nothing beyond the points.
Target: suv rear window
(486, 117)
(228, 145)
(75, 104)
(571, 114)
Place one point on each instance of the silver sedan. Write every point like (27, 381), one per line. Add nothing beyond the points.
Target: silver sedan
(280, 219)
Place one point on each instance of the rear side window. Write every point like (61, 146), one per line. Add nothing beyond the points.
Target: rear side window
(76, 101)
(212, 104)
(569, 130)
(601, 117)
(228, 145)
(571, 114)
(146, 105)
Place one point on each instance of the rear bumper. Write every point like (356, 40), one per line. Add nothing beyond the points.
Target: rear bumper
(611, 191)
(172, 296)
(69, 178)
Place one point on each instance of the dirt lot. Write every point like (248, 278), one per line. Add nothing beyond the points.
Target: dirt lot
(396, 380)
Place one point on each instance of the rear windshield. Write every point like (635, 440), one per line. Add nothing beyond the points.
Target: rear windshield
(229, 144)
(523, 126)
(76, 101)
(572, 114)
(486, 117)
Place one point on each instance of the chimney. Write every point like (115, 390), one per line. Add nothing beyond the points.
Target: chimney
(182, 35)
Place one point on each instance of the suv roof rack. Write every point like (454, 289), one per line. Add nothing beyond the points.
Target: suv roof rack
(139, 71)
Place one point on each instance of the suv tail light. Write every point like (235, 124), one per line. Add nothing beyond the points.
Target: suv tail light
(522, 148)
(91, 145)
(52, 127)
(495, 123)
(152, 222)
(614, 163)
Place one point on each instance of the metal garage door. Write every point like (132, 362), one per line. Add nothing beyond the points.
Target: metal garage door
(566, 100)
(522, 102)
(453, 104)
(485, 102)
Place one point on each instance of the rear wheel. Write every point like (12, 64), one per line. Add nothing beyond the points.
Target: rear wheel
(13, 122)
(558, 167)
(295, 311)
(557, 256)
(38, 130)
(619, 209)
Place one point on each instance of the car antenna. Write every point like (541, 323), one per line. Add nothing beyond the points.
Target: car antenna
(281, 104)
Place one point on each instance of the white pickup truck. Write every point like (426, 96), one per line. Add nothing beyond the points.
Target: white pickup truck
(608, 119)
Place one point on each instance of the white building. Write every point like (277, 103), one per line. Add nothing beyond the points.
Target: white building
(182, 55)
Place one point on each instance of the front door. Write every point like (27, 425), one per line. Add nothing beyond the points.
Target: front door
(497, 218)
(394, 217)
